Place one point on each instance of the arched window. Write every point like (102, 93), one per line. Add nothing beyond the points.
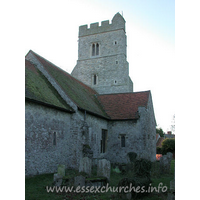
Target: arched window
(93, 49)
(97, 49)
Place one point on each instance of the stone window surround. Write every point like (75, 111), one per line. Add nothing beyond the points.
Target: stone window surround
(95, 49)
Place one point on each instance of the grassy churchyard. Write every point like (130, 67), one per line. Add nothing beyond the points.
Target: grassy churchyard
(35, 187)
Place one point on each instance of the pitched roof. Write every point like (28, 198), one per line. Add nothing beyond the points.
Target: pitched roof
(125, 105)
(82, 95)
(110, 106)
(37, 88)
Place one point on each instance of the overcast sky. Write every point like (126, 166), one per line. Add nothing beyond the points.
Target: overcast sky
(52, 32)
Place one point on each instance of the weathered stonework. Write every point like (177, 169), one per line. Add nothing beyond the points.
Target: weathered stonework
(110, 65)
(55, 136)
(42, 156)
(139, 137)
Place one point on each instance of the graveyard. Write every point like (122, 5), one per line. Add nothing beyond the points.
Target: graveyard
(138, 172)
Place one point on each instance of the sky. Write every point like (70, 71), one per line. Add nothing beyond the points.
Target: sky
(51, 30)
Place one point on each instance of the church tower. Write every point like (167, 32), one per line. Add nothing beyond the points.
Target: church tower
(102, 63)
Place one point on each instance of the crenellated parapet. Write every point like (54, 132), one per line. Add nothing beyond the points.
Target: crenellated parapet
(118, 22)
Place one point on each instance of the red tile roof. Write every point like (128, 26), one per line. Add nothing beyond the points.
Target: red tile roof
(124, 105)
(110, 106)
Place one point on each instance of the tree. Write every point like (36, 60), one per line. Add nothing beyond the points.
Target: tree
(160, 132)
(168, 145)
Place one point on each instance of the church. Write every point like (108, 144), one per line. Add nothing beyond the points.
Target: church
(91, 112)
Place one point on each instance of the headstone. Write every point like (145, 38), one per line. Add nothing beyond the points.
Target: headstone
(57, 179)
(165, 163)
(85, 165)
(61, 170)
(171, 193)
(103, 168)
(169, 155)
(79, 181)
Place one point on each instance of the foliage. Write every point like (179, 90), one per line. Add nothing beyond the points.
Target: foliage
(132, 156)
(168, 145)
(159, 150)
(160, 132)
(142, 167)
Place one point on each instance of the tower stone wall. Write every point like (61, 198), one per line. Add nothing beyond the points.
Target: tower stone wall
(102, 62)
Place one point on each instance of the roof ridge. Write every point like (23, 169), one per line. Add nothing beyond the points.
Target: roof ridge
(48, 61)
(63, 71)
(125, 93)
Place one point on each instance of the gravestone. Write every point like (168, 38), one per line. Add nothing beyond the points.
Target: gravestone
(165, 163)
(79, 181)
(61, 170)
(57, 179)
(103, 168)
(85, 165)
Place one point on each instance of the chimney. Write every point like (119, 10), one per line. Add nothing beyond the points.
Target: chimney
(169, 132)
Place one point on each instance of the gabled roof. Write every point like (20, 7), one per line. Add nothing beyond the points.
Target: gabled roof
(125, 105)
(38, 89)
(121, 106)
(82, 95)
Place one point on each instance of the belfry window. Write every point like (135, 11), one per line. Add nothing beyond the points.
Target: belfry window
(95, 49)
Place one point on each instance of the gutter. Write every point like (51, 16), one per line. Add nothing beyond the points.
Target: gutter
(49, 105)
(106, 118)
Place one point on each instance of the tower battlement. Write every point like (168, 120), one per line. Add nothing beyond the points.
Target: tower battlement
(102, 62)
(118, 22)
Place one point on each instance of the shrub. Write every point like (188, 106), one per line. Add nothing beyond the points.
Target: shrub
(142, 168)
(132, 156)
(168, 145)
(159, 150)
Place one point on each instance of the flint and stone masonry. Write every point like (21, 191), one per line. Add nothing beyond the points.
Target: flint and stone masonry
(58, 136)
(108, 70)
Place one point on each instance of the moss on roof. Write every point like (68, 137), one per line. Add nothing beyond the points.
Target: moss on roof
(38, 88)
(82, 95)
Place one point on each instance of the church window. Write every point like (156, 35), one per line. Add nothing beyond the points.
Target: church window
(116, 61)
(123, 141)
(95, 79)
(54, 138)
(95, 49)
(104, 140)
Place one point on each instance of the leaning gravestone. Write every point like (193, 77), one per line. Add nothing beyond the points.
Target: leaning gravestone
(103, 168)
(85, 165)
(61, 170)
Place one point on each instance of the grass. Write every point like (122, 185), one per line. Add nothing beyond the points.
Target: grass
(35, 187)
